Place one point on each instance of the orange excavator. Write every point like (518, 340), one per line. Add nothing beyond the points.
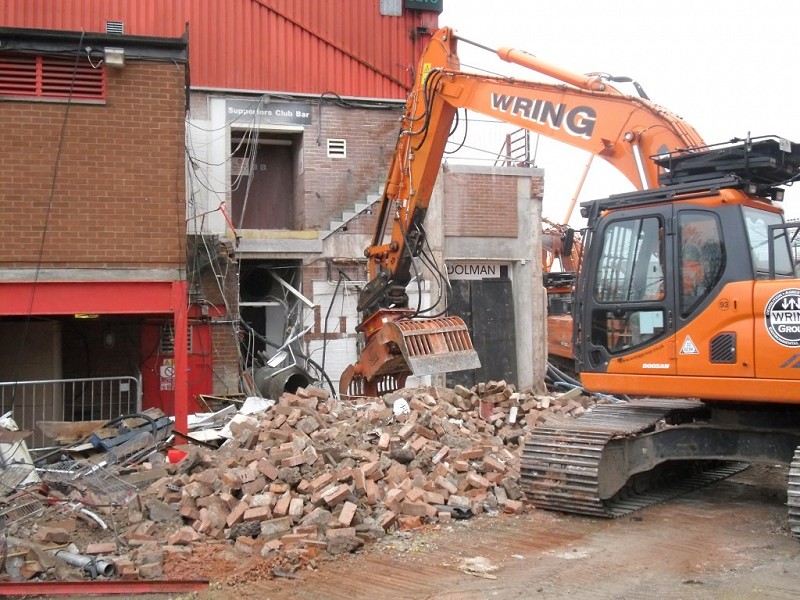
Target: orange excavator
(688, 290)
(562, 251)
(583, 111)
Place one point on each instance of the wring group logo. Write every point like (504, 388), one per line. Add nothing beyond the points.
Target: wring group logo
(782, 317)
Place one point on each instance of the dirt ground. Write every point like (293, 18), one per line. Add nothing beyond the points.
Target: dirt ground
(728, 541)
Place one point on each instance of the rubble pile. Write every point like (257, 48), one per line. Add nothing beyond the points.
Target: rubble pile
(310, 474)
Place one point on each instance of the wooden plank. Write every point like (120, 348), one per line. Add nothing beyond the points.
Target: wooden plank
(68, 432)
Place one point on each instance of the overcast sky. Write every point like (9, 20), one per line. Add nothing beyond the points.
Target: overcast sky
(727, 67)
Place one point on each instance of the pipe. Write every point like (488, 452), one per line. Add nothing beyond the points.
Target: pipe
(92, 566)
(78, 506)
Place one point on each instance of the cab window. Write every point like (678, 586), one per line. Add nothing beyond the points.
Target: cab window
(630, 280)
(757, 223)
(631, 266)
(702, 257)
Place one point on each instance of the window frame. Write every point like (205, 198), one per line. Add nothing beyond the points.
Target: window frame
(701, 274)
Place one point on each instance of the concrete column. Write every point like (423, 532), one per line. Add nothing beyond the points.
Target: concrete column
(434, 229)
(529, 306)
(531, 315)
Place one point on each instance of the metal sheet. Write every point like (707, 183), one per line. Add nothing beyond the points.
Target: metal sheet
(299, 46)
(87, 588)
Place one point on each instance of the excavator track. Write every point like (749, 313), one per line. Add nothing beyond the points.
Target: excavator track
(793, 497)
(561, 465)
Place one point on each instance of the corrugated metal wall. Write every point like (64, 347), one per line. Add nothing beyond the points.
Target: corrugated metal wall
(298, 46)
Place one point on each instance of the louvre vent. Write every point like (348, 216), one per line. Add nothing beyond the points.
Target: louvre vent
(723, 348)
(117, 27)
(50, 77)
(167, 345)
(337, 148)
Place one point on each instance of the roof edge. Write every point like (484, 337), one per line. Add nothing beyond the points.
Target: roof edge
(15, 39)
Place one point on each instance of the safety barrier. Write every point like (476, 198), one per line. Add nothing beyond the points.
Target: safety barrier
(71, 400)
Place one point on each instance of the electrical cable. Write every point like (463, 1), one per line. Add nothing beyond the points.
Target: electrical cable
(445, 289)
(453, 130)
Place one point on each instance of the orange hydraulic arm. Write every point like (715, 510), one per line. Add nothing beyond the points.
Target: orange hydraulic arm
(584, 112)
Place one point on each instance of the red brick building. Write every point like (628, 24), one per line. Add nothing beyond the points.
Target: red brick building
(93, 194)
(292, 118)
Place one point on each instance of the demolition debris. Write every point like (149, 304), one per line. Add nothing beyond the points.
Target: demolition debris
(285, 482)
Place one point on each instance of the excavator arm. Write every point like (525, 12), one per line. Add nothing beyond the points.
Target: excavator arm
(582, 111)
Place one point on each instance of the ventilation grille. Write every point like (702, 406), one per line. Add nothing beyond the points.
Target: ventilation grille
(117, 27)
(723, 348)
(337, 148)
(167, 345)
(50, 77)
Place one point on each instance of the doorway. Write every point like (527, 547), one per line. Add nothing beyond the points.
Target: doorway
(487, 308)
(263, 180)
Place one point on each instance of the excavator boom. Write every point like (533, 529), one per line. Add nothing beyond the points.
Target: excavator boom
(582, 111)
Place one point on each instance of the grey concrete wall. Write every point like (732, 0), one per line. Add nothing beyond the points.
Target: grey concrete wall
(524, 253)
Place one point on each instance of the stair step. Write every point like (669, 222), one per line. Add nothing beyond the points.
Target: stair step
(358, 208)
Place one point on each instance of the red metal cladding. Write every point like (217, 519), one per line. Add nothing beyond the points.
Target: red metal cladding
(89, 588)
(298, 46)
(97, 297)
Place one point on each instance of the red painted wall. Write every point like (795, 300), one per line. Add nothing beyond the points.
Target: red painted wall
(300, 46)
(158, 391)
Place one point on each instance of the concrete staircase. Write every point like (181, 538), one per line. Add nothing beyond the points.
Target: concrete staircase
(358, 208)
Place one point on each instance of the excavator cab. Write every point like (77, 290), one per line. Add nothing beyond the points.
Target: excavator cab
(690, 288)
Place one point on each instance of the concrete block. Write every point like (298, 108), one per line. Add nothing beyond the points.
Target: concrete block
(275, 528)
(296, 508)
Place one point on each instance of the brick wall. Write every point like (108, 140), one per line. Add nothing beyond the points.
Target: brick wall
(119, 197)
(480, 205)
(334, 185)
(225, 361)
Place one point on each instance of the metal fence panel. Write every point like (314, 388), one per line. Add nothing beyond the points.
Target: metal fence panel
(71, 400)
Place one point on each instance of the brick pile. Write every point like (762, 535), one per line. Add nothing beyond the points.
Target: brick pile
(315, 474)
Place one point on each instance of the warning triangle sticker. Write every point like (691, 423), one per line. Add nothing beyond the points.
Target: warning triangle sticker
(689, 347)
